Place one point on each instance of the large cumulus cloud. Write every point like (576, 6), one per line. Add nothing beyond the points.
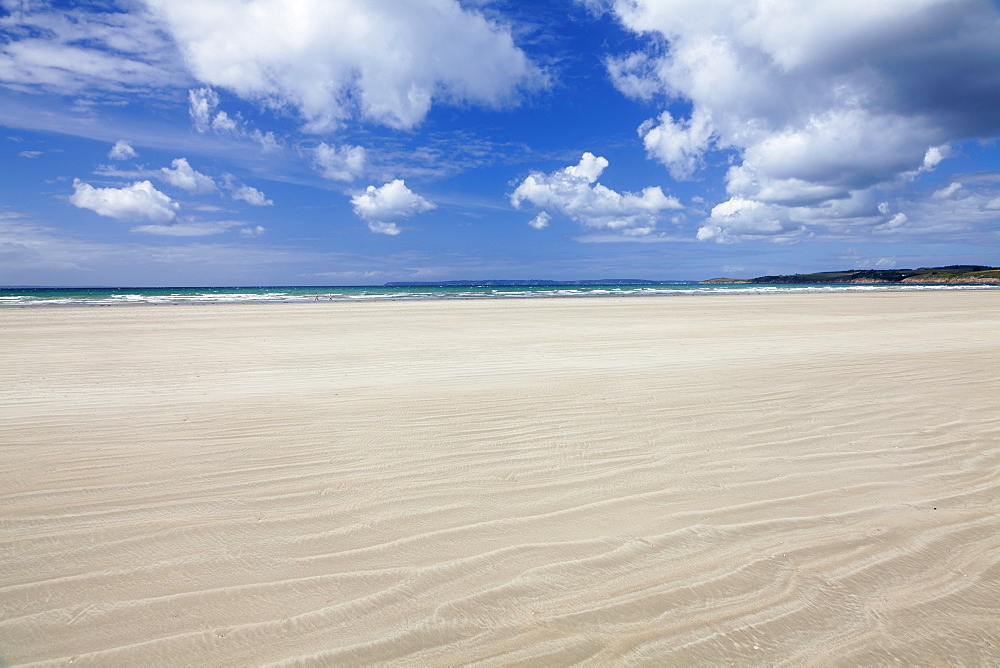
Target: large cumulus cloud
(384, 60)
(822, 101)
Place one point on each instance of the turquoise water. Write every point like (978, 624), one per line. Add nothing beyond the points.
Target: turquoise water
(271, 294)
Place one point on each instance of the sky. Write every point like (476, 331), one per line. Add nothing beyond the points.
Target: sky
(358, 142)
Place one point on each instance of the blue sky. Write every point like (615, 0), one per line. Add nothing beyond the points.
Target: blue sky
(319, 142)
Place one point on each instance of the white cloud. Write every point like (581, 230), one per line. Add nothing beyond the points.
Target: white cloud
(340, 163)
(189, 228)
(134, 202)
(254, 231)
(385, 61)
(574, 192)
(223, 124)
(382, 207)
(203, 106)
(181, 175)
(245, 193)
(68, 51)
(29, 154)
(541, 221)
(678, 144)
(202, 103)
(955, 212)
(948, 191)
(740, 219)
(122, 150)
(818, 100)
(268, 142)
(897, 220)
(634, 75)
(970, 202)
(251, 195)
(934, 156)
(353, 275)
(829, 156)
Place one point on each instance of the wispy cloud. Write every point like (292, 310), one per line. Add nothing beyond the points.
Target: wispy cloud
(73, 51)
(190, 228)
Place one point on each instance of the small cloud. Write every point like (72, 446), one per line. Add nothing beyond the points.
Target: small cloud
(934, 156)
(947, 191)
(634, 75)
(182, 175)
(201, 105)
(189, 228)
(203, 108)
(343, 163)
(222, 123)
(351, 274)
(382, 207)
(245, 193)
(122, 151)
(574, 192)
(30, 154)
(139, 200)
(268, 142)
(251, 195)
(896, 221)
(541, 221)
(255, 231)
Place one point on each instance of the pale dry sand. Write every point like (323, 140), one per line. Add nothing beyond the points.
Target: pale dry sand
(786, 479)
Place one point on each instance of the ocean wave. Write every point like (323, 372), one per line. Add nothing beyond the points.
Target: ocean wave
(165, 296)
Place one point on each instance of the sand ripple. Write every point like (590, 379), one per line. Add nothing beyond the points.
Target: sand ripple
(787, 480)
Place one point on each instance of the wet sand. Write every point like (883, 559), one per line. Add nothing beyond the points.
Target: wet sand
(752, 479)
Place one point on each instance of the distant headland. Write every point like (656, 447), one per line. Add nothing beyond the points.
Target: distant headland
(954, 274)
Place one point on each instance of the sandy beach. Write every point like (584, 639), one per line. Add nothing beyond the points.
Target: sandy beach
(750, 480)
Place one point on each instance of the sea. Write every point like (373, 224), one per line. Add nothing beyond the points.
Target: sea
(107, 296)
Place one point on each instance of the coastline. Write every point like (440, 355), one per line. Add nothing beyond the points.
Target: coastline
(803, 479)
(49, 297)
(957, 274)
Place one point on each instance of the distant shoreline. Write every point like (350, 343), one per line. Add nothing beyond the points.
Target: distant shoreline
(953, 274)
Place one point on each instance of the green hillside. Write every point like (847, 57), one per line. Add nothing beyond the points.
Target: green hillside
(959, 273)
